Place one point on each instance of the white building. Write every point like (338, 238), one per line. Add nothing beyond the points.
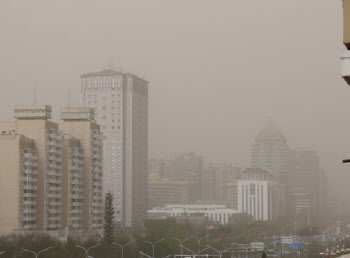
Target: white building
(259, 195)
(213, 212)
(120, 101)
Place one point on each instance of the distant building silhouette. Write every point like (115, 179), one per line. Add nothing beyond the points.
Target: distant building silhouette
(270, 151)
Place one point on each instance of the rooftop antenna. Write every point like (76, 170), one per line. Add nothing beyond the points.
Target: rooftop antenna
(68, 97)
(110, 63)
(34, 96)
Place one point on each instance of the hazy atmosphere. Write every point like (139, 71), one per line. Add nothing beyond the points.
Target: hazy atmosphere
(218, 70)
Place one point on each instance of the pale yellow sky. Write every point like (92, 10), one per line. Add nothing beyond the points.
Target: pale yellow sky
(217, 69)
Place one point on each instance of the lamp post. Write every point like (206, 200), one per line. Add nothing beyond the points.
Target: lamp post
(199, 241)
(192, 251)
(122, 246)
(182, 242)
(153, 244)
(142, 253)
(218, 251)
(37, 254)
(87, 250)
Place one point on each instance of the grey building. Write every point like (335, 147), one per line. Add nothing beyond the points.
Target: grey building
(189, 166)
(270, 151)
(120, 101)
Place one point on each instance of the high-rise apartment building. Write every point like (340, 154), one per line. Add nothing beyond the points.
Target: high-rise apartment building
(189, 167)
(18, 182)
(260, 195)
(120, 101)
(270, 151)
(54, 176)
(33, 122)
(79, 123)
(72, 183)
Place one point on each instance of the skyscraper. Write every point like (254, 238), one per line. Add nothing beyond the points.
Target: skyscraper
(120, 101)
(270, 151)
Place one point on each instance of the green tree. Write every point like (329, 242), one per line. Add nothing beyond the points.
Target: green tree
(109, 219)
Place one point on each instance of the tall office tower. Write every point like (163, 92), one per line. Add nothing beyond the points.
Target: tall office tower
(308, 180)
(18, 182)
(260, 195)
(120, 101)
(214, 180)
(270, 151)
(79, 123)
(33, 122)
(189, 166)
(72, 183)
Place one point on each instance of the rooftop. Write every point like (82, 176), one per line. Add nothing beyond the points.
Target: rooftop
(109, 72)
(270, 129)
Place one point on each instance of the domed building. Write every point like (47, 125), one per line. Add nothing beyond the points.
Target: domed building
(270, 151)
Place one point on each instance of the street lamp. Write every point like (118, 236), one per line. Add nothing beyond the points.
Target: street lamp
(2, 252)
(142, 253)
(182, 242)
(219, 252)
(199, 241)
(192, 251)
(153, 244)
(87, 250)
(37, 254)
(122, 246)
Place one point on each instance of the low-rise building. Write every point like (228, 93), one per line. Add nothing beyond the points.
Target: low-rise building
(164, 191)
(260, 195)
(215, 213)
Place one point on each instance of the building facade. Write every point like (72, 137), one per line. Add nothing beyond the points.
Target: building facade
(166, 191)
(79, 123)
(33, 122)
(72, 183)
(120, 101)
(260, 196)
(189, 167)
(214, 180)
(55, 179)
(212, 212)
(18, 182)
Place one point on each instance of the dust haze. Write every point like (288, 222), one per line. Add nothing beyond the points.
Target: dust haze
(218, 70)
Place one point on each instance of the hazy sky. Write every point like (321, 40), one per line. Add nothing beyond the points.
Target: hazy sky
(217, 69)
